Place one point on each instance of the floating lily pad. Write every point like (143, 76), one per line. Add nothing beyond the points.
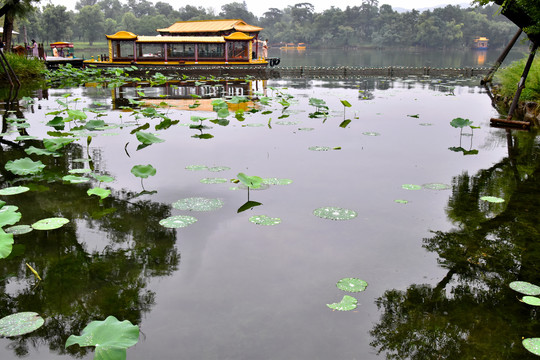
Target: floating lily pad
(287, 123)
(254, 125)
(346, 304)
(525, 288)
(147, 138)
(143, 171)
(400, 201)
(276, 181)
(104, 178)
(73, 179)
(425, 124)
(264, 220)
(352, 284)
(20, 323)
(371, 133)
(198, 204)
(319, 148)
(213, 180)
(25, 137)
(306, 129)
(56, 143)
(196, 167)
(178, 221)
(6, 244)
(531, 300)
(436, 186)
(102, 193)
(37, 151)
(24, 166)
(533, 345)
(110, 337)
(335, 213)
(219, 168)
(492, 199)
(14, 190)
(79, 171)
(411, 187)
(9, 215)
(18, 229)
(50, 223)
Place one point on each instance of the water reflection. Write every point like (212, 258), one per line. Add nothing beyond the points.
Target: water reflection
(472, 309)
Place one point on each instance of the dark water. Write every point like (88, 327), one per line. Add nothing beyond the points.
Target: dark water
(438, 267)
(436, 58)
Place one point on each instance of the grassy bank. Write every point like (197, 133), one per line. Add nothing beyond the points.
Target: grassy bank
(25, 68)
(508, 78)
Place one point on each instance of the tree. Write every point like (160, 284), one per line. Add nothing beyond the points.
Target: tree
(11, 10)
(55, 22)
(236, 10)
(91, 22)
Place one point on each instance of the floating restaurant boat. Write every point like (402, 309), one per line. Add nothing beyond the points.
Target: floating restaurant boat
(219, 43)
(62, 54)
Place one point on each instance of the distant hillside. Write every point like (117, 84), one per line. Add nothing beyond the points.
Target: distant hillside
(403, 10)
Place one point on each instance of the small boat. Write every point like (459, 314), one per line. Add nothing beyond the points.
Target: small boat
(293, 46)
(62, 53)
(204, 43)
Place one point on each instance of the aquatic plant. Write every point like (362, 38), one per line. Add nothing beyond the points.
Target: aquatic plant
(264, 220)
(110, 337)
(24, 166)
(335, 213)
(346, 304)
(531, 290)
(352, 284)
(178, 221)
(50, 223)
(20, 323)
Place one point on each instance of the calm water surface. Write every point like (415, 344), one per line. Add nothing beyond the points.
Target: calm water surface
(438, 266)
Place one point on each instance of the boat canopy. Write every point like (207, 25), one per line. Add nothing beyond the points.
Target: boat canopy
(209, 27)
(180, 39)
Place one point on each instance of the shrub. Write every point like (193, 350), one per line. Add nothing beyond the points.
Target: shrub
(25, 68)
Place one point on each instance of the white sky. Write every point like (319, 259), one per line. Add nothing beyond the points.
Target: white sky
(258, 7)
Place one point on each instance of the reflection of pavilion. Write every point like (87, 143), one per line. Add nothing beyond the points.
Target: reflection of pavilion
(183, 94)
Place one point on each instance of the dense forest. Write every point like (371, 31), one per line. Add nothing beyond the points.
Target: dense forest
(365, 25)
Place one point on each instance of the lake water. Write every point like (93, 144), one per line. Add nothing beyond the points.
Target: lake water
(437, 258)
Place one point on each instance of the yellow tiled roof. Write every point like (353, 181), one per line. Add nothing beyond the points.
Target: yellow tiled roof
(238, 36)
(181, 39)
(122, 35)
(210, 26)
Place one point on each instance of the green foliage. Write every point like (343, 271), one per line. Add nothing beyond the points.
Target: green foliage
(346, 304)
(20, 323)
(508, 78)
(253, 182)
(24, 166)
(25, 68)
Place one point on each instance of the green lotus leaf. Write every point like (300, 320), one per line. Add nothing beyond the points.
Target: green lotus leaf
(24, 166)
(346, 103)
(319, 148)
(492, 199)
(306, 129)
(80, 171)
(352, 284)
(531, 300)
(147, 138)
(219, 168)
(253, 182)
(213, 180)
(73, 179)
(104, 178)
(178, 221)
(525, 288)
(196, 167)
(460, 122)
(25, 137)
(110, 337)
(400, 201)
(436, 186)
(32, 150)
(20, 323)
(276, 181)
(223, 113)
(411, 187)
(346, 304)
(143, 171)
(14, 190)
(19, 229)
(6, 244)
(198, 204)
(264, 220)
(533, 345)
(335, 213)
(9, 215)
(287, 123)
(76, 115)
(57, 143)
(254, 125)
(102, 193)
(371, 133)
(95, 125)
(50, 223)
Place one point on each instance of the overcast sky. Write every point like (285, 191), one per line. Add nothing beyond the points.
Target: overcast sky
(258, 7)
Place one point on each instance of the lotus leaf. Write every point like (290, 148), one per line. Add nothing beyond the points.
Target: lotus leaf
(276, 181)
(198, 204)
(110, 337)
(104, 178)
(400, 201)
(213, 180)
(19, 229)
(533, 345)
(248, 205)
(460, 122)
(352, 284)
(346, 304)
(371, 133)
(25, 137)
(76, 115)
(24, 166)
(492, 199)
(56, 143)
(264, 220)
(306, 129)
(335, 213)
(147, 138)
(79, 171)
(287, 123)
(253, 182)
(73, 179)
(436, 186)
(6, 244)
(411, 187)
(37, 151)
(9, 215)
(20, 323)
(95, 125)
(254, 125)
(219, 168)
(178, 221)
(319, 148)
(50, 223)
(143, 171)
(531, 300)
(102, 193)
(346, 103)
(525, 288)
(196, 167)
(14, 190)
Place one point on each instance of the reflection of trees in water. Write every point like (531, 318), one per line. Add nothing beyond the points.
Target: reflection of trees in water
(471, 312)
(97, 265)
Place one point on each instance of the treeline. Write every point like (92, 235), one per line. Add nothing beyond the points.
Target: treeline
(366, 24)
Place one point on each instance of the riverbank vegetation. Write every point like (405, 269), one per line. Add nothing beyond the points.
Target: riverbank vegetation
(508, 77)
(25, 68)
(365, 25)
